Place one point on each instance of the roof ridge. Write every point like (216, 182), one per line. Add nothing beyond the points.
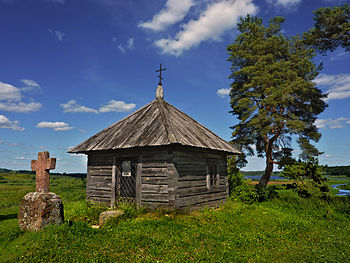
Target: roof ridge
(166, 121)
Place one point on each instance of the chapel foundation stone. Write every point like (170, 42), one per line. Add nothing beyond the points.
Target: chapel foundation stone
(107, 215)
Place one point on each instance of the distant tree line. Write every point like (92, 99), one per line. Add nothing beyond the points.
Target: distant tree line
(258, 173)
(78, 175)
(338, 170)
(329, 170)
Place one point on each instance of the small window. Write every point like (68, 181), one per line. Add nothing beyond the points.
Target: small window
(212, 176)
(126, 168)
(213, 180)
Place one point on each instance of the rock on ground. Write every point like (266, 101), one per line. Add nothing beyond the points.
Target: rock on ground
(105, 216)
(38, 210)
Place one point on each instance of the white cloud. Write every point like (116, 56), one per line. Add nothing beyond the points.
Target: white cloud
(332, 123)
(73, 106)
(30, 85)
(112, 105)
(121, 49)
(65, 128)
(338, 85)
(5, 123)
(118, 106)
(56, 126)
(58, 34)
(284, 3)
(212, 23)
(30, 82)
(10, 97)
(20, 106)
(131, 43)
(9, 92)
(21, 158)
(173, 12)
(223, 92)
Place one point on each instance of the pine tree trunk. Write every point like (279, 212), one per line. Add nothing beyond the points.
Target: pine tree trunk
(268, 171)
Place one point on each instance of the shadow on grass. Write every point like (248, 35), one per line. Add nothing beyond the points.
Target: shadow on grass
(5, 217)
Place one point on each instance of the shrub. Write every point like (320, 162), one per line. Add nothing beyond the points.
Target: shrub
(308, 179)
(240, 189)
(309, 189)
(88, 211)
(303, 191)
(265, 194)
(129, 209)
(2, 179)
(245, 193)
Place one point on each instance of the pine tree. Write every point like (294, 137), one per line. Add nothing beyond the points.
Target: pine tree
(272, 93)
(331, 29)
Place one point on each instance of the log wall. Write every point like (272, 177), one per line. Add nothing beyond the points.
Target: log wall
(192, 169)
(165, 177)
(155, 188)
(152, 176)
(99, 177)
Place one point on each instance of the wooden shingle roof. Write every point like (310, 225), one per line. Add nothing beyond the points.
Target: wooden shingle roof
(157, 123)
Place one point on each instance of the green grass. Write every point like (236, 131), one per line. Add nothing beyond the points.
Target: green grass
(338, 180)
(288, 229)
(345, 187)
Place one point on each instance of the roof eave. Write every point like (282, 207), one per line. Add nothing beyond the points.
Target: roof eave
(228, 152)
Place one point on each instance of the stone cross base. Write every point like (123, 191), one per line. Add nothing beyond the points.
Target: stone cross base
(38, 210)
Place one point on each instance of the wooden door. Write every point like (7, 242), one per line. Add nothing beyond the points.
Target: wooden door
(128, 179)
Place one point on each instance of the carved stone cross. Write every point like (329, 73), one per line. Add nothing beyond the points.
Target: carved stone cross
(42, 166)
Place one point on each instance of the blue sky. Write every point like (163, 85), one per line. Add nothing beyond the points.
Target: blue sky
(71, 68)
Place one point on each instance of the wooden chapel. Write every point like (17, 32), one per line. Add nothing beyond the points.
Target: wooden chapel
(158, 157)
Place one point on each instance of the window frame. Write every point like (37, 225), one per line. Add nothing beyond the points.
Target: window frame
(213, 175)
(130, 168)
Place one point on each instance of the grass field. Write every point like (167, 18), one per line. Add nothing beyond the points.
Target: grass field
(288, 229)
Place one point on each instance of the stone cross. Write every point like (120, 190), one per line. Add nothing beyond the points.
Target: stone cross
(42, 166)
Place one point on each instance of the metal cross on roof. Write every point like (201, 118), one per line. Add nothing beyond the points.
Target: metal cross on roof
(160, 74)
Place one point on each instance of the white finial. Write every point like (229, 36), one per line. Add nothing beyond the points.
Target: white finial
(159, 92)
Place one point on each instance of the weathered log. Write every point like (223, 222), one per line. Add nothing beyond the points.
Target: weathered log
(154, 180)
(200, 190)
(151, 188)
(155, 197)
